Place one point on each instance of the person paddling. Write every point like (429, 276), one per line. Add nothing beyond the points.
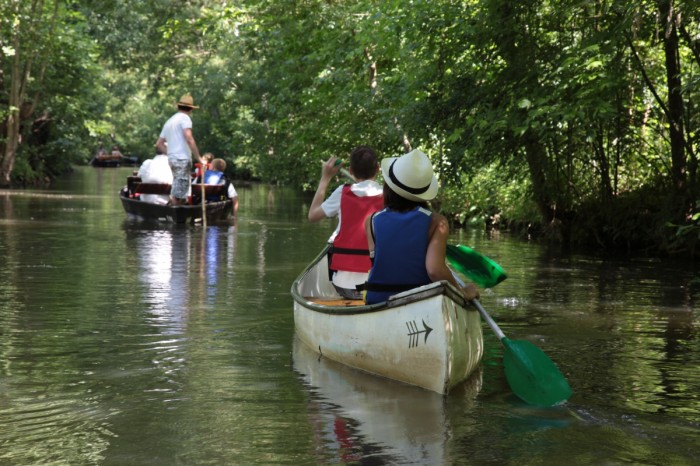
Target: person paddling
(351, 203)
(407, 241)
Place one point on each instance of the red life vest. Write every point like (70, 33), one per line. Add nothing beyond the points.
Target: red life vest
(350, 249)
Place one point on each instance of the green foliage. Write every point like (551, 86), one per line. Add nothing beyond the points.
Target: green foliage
(532, 111)
(54, 60)
(685, 237)
(492, 196)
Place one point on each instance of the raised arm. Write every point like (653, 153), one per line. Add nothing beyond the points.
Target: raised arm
(328, 171)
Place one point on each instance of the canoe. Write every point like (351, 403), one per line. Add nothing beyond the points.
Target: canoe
(216, 212)
(428, 336)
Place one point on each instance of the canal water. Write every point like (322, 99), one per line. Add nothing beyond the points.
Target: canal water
(125, 343)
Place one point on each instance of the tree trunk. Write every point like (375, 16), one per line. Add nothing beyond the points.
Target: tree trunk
(25, 32)
(13, 119)
(536, 162)
(670, 18)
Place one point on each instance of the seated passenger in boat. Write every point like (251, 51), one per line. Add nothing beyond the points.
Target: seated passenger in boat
(352, 204)
(215, 174)
(407, 241)
(116, 153)
(101, 151)
(198, 169)
(156, 170)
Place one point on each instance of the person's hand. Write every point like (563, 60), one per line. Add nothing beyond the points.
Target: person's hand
(330, 169)
(470, 291)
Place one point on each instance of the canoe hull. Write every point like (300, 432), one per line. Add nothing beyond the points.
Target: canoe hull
(215, 211)
(427, 337)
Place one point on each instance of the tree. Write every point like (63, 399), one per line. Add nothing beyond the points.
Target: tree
(30, 27)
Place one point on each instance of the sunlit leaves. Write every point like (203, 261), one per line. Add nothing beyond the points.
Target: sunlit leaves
(541, 88)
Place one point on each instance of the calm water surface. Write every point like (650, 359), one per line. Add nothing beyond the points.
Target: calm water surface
(124, 343)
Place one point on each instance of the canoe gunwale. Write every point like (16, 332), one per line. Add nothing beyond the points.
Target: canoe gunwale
(400, 299)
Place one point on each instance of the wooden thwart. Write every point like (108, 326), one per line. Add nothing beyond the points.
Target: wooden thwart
(337, 302)
(137, 187)
(152, 188)
(210, 189)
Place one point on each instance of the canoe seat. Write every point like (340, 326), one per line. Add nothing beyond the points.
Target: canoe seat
(336, 302)
(131, 182)
(152, 188)
(211, 190)
(135, 186)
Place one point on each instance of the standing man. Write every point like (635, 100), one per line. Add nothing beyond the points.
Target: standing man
(177, 141)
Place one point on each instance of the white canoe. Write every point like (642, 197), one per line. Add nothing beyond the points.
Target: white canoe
(429, 336)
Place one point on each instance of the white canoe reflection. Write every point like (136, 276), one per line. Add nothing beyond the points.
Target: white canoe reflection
(356, 414)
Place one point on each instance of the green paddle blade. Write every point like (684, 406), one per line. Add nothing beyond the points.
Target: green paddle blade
(481, 270)
(532, 376)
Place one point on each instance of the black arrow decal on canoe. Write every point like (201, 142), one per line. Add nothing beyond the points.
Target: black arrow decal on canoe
(414, 333)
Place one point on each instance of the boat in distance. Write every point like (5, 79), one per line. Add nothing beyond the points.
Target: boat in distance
(109, 160)
(429, 336)
(216, 211)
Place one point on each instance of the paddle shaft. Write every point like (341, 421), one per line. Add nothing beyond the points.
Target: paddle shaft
(531, 374)
(348, 175)
(496, 329)
(345, 173)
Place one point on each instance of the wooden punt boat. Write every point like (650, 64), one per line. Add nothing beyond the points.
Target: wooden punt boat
(428, 336)
(110, 160)
(218, 211)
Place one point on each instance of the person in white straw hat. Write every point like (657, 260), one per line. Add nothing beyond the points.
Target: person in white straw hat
(177, 141)
(407, 241)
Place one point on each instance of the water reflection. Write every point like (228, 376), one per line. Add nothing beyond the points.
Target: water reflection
(177, 264)
(355, 415)
(108, 356)
(163, 268)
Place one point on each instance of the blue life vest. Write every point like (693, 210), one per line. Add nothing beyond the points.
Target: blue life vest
(214, 177)
(400, 247)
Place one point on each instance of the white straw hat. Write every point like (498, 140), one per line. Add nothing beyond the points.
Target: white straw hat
(411, 176)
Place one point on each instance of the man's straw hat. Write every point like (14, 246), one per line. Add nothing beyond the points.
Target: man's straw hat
(187, 101)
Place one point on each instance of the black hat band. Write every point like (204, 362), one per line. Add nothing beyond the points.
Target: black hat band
(408, 189)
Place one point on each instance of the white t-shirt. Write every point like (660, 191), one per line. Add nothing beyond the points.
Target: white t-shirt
(174, 134)
(156, 170)
(331, 207)
(231, 191)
